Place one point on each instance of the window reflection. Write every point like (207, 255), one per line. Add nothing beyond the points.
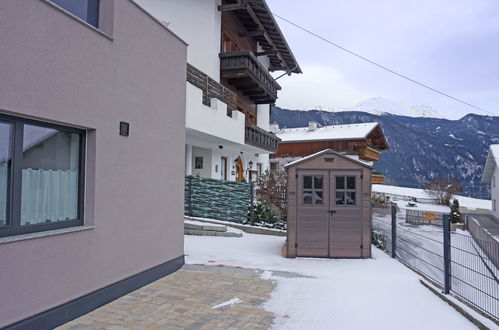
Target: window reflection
(49, 190)
(5, 163)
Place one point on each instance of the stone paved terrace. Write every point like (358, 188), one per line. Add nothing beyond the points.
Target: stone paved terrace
(185, 300)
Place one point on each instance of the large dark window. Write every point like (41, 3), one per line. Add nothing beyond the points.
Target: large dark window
(87, 10)
(41, 176)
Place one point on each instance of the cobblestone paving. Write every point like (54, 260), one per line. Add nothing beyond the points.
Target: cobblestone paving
(185, 300)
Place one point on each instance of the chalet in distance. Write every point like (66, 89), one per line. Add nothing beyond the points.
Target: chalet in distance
(233, 47)
(363, 141)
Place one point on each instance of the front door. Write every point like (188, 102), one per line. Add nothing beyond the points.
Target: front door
(329, 214)
(223, 168)
(312, 232)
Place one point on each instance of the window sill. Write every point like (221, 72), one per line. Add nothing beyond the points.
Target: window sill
(47, 233)
(76, 18)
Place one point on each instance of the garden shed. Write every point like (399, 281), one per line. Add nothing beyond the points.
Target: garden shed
(329, 206)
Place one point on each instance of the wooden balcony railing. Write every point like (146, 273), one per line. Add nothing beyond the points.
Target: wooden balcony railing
(368, 153)
(260, 138)
(211, 88)
(247, 74)
(377, 178)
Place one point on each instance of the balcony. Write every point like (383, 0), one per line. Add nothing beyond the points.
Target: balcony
(377, 178)
(248, 75)
(211, 89)
(368, 153)
(260, 138)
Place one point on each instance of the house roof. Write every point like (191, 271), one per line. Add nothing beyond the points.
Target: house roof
(328, 151)
(327, 133)
(491, 163)
(256, 16)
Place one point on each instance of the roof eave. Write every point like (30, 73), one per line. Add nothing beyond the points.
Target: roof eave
(327, 151)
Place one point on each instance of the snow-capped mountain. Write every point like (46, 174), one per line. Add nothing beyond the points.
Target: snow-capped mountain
(420, 148)
(379, 106)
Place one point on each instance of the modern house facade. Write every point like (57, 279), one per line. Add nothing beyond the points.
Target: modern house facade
(362, 141)
(233, 47)
(491, 175)
(92, 108)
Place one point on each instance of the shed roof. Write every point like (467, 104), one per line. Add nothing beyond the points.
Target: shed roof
(328, 151)
(491, 162)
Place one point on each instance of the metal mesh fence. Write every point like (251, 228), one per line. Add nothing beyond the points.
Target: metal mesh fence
(461, 266)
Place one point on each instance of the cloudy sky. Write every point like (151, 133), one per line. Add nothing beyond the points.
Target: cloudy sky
(451, 45)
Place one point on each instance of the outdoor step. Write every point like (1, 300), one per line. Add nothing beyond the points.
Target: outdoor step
(207, 227)
(199, 232)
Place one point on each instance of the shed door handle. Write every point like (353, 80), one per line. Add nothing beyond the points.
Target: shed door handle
(331, 211)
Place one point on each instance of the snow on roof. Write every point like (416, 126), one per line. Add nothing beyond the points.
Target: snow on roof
(330, 151)
(333, 132)
(491, 162)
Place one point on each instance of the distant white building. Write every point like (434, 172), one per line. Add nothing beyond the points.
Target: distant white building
(491, 175)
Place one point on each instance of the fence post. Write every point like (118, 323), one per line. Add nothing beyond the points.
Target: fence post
(447, 260)
(189, 191)
(394, 230)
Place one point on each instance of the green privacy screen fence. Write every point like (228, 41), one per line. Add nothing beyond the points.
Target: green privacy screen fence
(217, 199)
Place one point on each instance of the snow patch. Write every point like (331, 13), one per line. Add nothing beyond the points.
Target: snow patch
(228, 303)
(455, 138)
(266, 275)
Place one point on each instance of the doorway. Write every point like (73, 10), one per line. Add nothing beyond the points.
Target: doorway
(329, 211)
(223, 168)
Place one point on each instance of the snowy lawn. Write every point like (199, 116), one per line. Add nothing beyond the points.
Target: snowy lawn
(378, 293)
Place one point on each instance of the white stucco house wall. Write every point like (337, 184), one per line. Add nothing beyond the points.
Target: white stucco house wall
(227, 140)
(491, 175)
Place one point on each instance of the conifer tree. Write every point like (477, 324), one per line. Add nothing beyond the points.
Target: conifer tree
(455, 214)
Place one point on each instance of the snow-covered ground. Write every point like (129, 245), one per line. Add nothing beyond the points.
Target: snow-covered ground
(403, 205)
(422, 248)
(377, 293)
(421, 194)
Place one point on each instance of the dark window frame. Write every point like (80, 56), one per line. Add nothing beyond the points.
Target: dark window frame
(13, 225)
(312, 189)
(345, 190)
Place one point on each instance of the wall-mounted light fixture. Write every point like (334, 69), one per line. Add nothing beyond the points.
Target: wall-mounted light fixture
(250, 164)
(124, 128)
